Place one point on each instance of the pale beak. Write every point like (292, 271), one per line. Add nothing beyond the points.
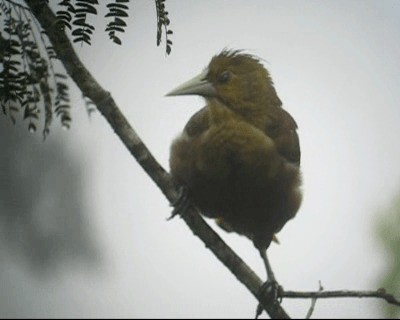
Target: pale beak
(199, 85)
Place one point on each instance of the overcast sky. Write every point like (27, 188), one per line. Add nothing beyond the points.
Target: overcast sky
(336, 67)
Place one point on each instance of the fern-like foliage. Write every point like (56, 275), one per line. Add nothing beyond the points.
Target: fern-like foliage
(64, 15)
(82, 28)
(118, 11)
(33, 82)
(72, 16)
(163, 24)
(28, 83)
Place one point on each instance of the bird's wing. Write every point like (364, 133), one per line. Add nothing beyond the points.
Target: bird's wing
(283, 130)
(198, 123)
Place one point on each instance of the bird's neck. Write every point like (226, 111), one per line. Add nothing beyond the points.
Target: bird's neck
(220, 113)
(257, 115)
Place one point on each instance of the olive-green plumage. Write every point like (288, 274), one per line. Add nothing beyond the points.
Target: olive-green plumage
(239, 156)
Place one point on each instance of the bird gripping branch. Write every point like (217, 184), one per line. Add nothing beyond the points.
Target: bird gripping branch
(239, 156)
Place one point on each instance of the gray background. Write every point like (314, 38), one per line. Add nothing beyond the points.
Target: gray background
(336, 68)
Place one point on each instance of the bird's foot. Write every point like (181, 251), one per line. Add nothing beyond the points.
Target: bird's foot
(272, 291)
(180, 204)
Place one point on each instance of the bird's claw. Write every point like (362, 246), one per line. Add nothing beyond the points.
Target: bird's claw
(180, 204)
(273, 291)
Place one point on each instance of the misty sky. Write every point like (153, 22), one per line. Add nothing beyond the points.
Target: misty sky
(336, 68)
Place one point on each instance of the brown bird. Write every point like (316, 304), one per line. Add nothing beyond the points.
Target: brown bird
(239, 156)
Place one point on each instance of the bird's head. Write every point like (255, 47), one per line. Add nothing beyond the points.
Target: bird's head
(236, 79)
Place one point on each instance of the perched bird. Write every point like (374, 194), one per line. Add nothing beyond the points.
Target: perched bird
(239, 156)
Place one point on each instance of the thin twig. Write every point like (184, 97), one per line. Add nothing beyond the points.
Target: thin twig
(314, 302)
(379, 294)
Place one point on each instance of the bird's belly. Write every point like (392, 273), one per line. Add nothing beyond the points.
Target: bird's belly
(234, 172)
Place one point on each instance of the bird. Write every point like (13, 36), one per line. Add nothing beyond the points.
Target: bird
(239, 156)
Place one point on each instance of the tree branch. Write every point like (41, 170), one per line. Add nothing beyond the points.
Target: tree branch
(380, 294)
(108, 108)
(313, 302)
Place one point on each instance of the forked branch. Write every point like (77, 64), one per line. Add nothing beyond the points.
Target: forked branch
(379, 294)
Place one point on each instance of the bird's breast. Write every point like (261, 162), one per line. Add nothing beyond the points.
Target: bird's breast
(229, 165)
(235, 146)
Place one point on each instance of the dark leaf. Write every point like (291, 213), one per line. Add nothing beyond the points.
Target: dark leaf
(114, 29)
(117, 6)
(117, 40)
(65, 16)
(78, 32)
(87, 8)
(120, 22)
(116, 13)
(60, 75)
(79, 22)
(89, 1)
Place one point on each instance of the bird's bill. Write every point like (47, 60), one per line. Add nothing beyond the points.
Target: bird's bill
(199, 85)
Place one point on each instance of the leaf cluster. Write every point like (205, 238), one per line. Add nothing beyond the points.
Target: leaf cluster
(29, 83)
(117, 12)
(163, 23)
(74, 16)
(33, 82)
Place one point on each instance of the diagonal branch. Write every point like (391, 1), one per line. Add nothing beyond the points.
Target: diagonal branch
(380, 294)
(108, 108)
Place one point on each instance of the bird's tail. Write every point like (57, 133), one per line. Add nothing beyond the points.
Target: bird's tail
(228, 228)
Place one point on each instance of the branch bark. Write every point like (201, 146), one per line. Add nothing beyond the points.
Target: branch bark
(108, 108)
(380, 294)
(313, 303)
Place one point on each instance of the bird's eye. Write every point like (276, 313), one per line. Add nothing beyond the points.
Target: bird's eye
(224, 77)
